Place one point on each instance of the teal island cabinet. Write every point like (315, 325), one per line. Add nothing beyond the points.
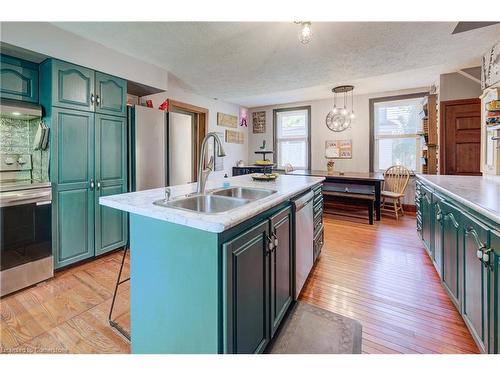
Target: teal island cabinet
(211, 283)
(458, 219)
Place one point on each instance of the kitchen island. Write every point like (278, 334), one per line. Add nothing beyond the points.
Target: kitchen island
(210, 283)
(458, 220)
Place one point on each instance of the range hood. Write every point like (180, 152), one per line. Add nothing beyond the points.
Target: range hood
(19, 110)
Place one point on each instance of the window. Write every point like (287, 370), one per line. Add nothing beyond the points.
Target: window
(396, 123)
(291, 137)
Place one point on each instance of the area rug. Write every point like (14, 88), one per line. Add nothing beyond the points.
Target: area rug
(312, 330)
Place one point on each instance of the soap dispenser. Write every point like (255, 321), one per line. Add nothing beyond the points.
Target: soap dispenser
(226, 183)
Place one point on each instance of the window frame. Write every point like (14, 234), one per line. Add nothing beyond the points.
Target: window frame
(275, 132)
(372, 103)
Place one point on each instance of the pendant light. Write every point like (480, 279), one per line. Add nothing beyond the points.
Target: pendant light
(339, 119)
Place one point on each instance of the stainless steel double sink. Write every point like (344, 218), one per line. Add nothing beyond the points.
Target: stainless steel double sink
(217, 201)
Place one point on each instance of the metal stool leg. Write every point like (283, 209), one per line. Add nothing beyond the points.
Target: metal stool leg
(112, 323)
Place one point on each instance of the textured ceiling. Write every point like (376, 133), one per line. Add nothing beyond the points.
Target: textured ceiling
(264, 63)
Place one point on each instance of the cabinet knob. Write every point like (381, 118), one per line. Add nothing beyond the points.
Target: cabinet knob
(98, 100)
(92, 184)
(92, 98)
(479, 254)
(486, 257)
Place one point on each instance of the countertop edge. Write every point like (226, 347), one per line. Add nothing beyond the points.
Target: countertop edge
(480, 209)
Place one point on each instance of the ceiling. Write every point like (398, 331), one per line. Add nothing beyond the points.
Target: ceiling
(263, 63)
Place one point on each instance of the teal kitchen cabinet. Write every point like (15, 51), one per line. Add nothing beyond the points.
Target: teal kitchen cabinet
(72, 86)
(426, 208)
(76, 87)
(437, 233)
(451, 251)
(494, 266)
(71, 96)
(281, 266)
(475, 280)
(111, 95)
(18, 79)
(259, 283)
(72, 171)
(247, 290)
(110, 178)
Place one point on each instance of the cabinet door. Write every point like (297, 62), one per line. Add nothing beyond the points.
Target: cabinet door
(73, 86)
(475, 281)
(281, 264)
(18, 79)
(426, 207)
(437, 233)
(111, 95)
(72, 171)
(111, 178)
(494, 298)
(246, 313)
(450, 222)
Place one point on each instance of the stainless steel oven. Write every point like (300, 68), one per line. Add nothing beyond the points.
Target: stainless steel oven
(26, 235)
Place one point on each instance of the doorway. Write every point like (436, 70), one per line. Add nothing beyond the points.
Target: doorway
(187, 128)
(460, 133)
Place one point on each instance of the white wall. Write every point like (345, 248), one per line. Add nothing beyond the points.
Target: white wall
(359, 131)
(49, 40)
(454, 86)
(234, 152)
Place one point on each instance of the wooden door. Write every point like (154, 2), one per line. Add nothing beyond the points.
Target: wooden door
(111, 178)
(111, 95)
(247, 291)
(475, 281)
(72, 86)
(461, 137)
(450, 221)
(72, 172)
(281, 267)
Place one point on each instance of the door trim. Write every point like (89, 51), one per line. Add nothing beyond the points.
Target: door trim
(442, 128)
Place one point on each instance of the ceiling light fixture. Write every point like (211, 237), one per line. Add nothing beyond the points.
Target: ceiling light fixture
(305, 33)
(339, 119)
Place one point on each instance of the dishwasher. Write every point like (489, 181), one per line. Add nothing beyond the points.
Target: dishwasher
(303, 236)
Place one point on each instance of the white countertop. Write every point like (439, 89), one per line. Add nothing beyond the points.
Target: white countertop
(480, 193)
(141, 202)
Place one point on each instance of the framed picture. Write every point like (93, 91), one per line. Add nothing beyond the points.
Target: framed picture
(338, 149)
(233, 136)
(243, 116)
(259, 122)
(229, 121)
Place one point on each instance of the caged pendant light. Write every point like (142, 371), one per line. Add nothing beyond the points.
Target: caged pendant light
(339, 119)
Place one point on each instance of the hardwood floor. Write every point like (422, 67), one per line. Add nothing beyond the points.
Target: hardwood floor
(382, 276)
(379, 275)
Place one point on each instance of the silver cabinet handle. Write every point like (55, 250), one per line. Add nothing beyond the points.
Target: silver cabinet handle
(98, 100)
(276, 242)
(92, 184)
(270, 245)
(92, 98)
(98, 185)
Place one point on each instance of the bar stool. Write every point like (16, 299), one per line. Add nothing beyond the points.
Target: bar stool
(112, 323)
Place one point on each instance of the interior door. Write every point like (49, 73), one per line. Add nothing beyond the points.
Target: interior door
(461, 137)
(111, 178)
(180, 148)
(72, 174)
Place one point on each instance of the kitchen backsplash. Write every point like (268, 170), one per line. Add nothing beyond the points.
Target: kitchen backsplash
(16, 137)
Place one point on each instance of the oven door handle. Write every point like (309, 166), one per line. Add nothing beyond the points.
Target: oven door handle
(45, 196)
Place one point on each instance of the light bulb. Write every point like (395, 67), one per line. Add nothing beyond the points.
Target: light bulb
(344, 111)
(352, 115)
(305, 34)
(335, 110)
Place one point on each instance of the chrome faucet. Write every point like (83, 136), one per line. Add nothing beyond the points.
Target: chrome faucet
(203, 173)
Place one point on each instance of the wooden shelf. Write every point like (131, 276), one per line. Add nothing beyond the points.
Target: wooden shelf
(430, 134)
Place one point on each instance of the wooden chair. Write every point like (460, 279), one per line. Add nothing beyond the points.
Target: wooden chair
(395, 182)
